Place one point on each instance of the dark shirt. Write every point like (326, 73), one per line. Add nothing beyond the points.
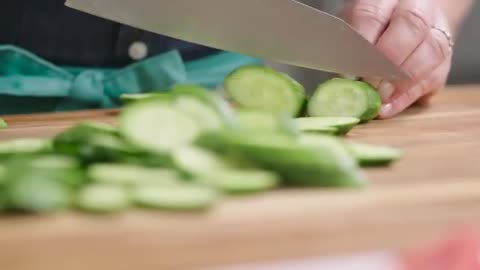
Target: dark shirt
(68, 37)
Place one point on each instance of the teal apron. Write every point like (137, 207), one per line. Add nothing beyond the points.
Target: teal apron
(29, 84)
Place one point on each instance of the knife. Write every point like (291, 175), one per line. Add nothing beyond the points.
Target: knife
(285, 31)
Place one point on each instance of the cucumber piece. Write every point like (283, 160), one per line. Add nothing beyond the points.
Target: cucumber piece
(130, 98)
(102, 198)
(3, 123)
(342, 125)
(374, 155)
(130, 175)
(24, 146)
(321, 130)
(204, 115)
(241, 181)
(341, 97)
(36, 191)
(195, 160)
(210, 98)
(264, 120)
(65, 169)
(156, 126)
(301, 164)
(93, 142)
(300, 90)
(262, 88)
(226, 140)
(176, 198)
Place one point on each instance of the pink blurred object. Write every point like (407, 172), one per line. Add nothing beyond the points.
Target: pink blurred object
(460, 252)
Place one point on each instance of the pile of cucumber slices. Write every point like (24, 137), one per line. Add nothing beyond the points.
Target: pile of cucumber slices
(188, 148)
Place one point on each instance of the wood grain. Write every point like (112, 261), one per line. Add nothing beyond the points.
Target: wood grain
(435, 188)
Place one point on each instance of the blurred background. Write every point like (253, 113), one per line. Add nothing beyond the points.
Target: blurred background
(466, 66)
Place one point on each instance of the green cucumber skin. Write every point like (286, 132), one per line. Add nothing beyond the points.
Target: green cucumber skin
(375, 102)
(340, 129)
(374, 156)
(301, 93)
(297, 90)
(326, 131)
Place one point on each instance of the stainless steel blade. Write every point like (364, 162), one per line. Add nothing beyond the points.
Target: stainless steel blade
(281, 30)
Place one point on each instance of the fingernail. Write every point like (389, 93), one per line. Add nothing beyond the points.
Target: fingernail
(386, 90)
(386, 110)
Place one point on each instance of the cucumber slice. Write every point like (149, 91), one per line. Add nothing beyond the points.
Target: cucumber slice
(3, 123)
(301, 164)
(343, 125)
(373, 155)
(204, 115)
(24, 146)
(194, 160)
(264, 120)
(210, 98)
(130, 98)
(61, 168)
(241, 181)
(93, 142)
(101, 198)
(262, 88)
(347, 98)
(36, 191)
(158, 127)
(129, 175)
(55, 162)
(321, 130)
(177, 198)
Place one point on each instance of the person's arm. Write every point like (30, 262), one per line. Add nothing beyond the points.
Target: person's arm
(416, 35)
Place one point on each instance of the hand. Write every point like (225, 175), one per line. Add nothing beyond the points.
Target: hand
(414, 34)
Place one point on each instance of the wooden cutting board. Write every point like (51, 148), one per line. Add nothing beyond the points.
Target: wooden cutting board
(435, 188)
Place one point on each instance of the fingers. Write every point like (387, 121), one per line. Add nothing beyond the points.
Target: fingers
(410, 24)
(404, 41)
(433, 51)
(369, 17)
(425, 88)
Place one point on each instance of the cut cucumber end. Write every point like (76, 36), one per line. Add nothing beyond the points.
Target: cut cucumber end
(262, 88)
(341, 97)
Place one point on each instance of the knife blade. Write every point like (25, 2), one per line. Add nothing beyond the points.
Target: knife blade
(285, 31)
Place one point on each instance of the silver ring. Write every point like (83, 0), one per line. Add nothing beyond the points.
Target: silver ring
(447, 35)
